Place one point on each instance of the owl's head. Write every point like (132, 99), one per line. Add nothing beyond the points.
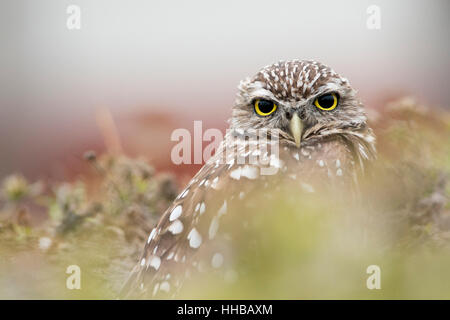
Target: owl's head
(302, 100)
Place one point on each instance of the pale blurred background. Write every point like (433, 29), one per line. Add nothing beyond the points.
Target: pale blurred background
(158, 65)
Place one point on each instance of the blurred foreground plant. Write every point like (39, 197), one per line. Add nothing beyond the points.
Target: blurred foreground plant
(294, 246)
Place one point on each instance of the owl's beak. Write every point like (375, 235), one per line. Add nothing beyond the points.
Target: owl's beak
(296, 128)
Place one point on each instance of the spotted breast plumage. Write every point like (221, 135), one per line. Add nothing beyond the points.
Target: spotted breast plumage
(296, 121)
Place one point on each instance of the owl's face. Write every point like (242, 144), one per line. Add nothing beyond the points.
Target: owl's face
(299, 99)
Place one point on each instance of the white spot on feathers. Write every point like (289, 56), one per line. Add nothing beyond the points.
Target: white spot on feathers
(202, 208)
(276, 162)
(176, 227)
(223, 209)
(184, 194)
(155, 288)
(152, 235)
(170, 255)
(155, 262)
(176, 213)
(213, 227)
(217, 260)
(195, 238)
(249, 172)
(165, 286)
(236, 174)
(214, 183)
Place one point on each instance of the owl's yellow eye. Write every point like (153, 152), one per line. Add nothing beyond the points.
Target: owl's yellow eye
(264, 108)
(327, 102)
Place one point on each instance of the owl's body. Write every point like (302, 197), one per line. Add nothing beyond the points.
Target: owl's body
(285, 129)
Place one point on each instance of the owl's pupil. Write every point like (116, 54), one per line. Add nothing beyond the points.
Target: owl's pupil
(265, 106)
(326, 101)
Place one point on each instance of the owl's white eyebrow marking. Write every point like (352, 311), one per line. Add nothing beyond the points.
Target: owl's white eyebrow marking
(176, 227)
(195, 238)
(260, 92)
(330, 86)
(176, 213)
(217, 260)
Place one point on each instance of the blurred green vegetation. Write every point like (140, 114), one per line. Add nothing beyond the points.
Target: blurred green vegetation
(296, 246)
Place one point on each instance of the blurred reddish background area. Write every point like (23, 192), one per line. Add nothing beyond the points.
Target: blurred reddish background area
(158, 66)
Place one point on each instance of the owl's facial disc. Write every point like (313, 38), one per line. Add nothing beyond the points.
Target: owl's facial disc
(301, 100)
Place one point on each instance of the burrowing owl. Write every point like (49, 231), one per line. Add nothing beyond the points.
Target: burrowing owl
(322, 135)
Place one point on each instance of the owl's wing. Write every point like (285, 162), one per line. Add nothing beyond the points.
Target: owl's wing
(178, 240)
(191, 220)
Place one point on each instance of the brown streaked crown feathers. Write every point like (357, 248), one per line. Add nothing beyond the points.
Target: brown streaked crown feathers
(332, 146)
